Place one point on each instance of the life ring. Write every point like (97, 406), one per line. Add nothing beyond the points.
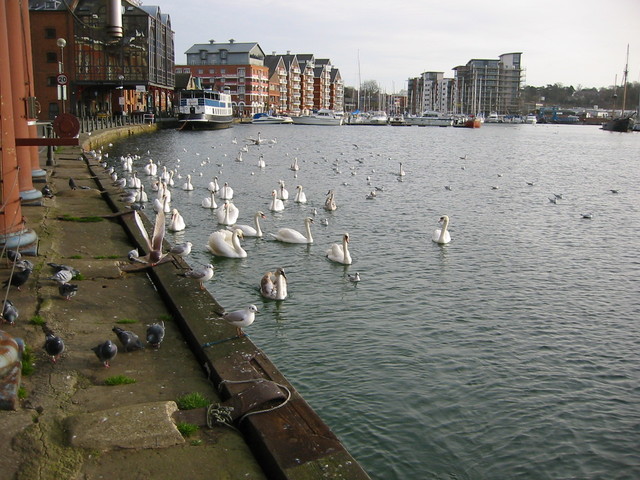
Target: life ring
(10, 352)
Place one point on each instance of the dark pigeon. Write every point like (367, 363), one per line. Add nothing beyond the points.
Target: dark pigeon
(129, 340)
(9, 312)
(72, 184)
(19, 278)
(54, 346)
(47, 192)
(106, 352)
(155, 334)
(68, 290)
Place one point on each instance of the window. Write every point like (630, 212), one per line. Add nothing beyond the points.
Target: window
(49, 33)
(52, 57)
(52, 81)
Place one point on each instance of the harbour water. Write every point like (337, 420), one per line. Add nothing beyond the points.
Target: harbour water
(511, 352)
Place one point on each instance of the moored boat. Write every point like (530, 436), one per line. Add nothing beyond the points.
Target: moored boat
(623, 123)
(531, 119)
(204, 110)
(321, 117)
(470, 121)
(431, 118)
(270, 119)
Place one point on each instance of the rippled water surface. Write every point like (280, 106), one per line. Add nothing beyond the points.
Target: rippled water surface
(511, 352)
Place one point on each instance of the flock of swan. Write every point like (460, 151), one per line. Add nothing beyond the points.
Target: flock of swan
(227, 240)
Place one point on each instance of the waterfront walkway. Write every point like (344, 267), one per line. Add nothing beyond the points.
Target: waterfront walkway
(71, 424)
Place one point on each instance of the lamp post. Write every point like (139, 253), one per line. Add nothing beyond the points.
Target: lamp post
(62, 87)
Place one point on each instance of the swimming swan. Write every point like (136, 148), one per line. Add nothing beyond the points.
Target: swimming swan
(274, 286)
(220, 247)
(277, 205)
(340, 253)
(289, 235)
(177, 222)
(301, 197)
(442, 236)
(248, 230)
(229, 214)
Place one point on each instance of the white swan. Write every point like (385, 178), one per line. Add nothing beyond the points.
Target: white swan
(289, 235)
(330, 202)
(229, 214)
(149, 168)
(340, 253)
(226, 192)
(210, 201)
(248, 230)
(177, 222)
(187, 185)
(283, 193)
(294, 165)
(219, 246)
(301, 197)
(274, 285)
(261, 163)
(401, 172)
(442, 236)
(213, 185)
(276, 204)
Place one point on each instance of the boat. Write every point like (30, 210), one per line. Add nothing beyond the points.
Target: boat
(204, 110)
(397, 121)
(323, 116)
(375, 118)
(531, 119)
(493, 117)
(270, 119)
(623, 123)
(430, 118)
(468, 121)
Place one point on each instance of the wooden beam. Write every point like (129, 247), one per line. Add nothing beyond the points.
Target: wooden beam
(46, 142)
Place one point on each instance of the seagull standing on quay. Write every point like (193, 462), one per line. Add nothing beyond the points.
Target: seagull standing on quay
(241, 318)
(202, 274)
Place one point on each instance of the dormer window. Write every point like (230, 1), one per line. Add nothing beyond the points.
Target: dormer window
(223, 56)
(203, 54)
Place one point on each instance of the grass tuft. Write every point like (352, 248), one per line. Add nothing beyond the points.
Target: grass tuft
(118, 380)
(126, 321)
(37, 320)
(28, 365)
(193, 400)
(187, 429)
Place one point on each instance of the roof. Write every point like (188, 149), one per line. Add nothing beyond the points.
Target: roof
(232, 47)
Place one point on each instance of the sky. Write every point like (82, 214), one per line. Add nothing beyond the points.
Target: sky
(579, 43)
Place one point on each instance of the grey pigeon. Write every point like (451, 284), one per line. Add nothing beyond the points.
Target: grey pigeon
(61, 276)
(72, 184)
(47, 192)
(13, 256)
(58, 266)
(129, 340)
(54, 346)
(105, 352)
(68, 290)
(19, 278)
(9, 312)
(155, 334)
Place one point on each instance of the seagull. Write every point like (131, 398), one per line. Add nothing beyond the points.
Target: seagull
(9, 312)
(558, 196)
(241, 318)
(106, 352)
(68, 290)
(354, 277)
(588, 216)
(54, 346)
(129, 340)
(614, 190)
(202, 274)
(154, 245)
(182, 249)
(553, 200)
(155, 334)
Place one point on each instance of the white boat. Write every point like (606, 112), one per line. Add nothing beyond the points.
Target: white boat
(204, 110)
(321, 117)
(430, 118)
(270, 119)
(493, 117)
(375, 118)
(531, 119)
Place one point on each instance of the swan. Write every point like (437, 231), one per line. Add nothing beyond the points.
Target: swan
(276, 204)
(294, 165)
(229, 214)
(213, 185)
(141, 195)
(187, 186)
(289, 235)
(442, 236)
(301, 197)
(226, 192)
(330, 202)
(283, 193)
(340, 253)
(149, 168)
(219, 246)
(401, 172)
(248, 230)
(164, 176)
(210, 201)
(239, 157)
(171, 182)
(177, 222)
(261, 163)
(274, 285)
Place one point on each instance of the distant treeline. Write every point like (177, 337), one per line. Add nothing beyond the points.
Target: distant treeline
(604, 97)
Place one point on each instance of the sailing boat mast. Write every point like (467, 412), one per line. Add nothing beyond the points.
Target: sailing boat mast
(624, 82)
(359, 82)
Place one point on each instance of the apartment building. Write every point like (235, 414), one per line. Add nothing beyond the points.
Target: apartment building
(106, 74)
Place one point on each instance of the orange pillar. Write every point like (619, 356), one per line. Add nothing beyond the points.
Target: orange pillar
(12, 228)
(37, 173)
(28, 194)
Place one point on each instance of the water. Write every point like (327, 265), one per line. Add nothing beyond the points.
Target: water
(512, 352)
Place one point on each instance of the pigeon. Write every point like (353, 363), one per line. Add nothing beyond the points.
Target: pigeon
(13, 256)
(68, 290)
(54, 346)
(47, 192)
(183, 249)
(58, 267)
(19, 278)
(129, 340)
(106, 352)
(201, 274)
(61, 276)
(241, 318)
(155, 334)
(72, 184)
(9, 312)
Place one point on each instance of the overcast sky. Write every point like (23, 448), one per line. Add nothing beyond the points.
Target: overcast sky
(573, 42)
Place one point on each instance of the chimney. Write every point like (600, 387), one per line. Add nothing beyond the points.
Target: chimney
(231, 40)
(211, 42)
